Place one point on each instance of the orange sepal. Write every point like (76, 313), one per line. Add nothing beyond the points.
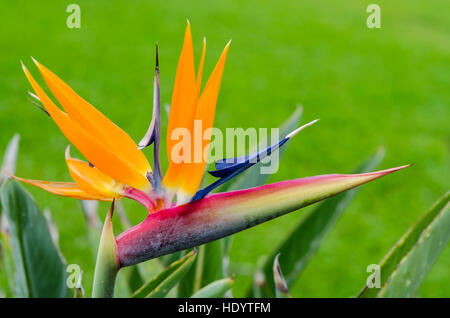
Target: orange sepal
(94, 151)
(182, 107)
(94, 122)
(65, 189)
(205, 111)
(200, 69)
(91, 180)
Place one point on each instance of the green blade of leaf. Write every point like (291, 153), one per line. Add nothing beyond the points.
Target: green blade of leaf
(216, 289)
(7, 265)
(10, 158)
(187, 284)
(9, 162)
(206, 269)
(106, 265)
(404, 268)
(39, 271)
(168, 259)
(212, 263)
(161, 284)
(298, 248)
(135, 279)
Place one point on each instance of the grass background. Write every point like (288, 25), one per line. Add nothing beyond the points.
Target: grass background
(387, 86)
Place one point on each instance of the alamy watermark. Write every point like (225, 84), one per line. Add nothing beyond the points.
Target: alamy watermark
(374, 19)
(211, 144)
(374, 280)
(74, 276)
(74, 19)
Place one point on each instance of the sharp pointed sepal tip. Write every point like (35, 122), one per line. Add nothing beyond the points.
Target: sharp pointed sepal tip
(296, 131)
(67, 152)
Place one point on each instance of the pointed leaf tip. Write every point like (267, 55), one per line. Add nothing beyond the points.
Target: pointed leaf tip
(10, 158)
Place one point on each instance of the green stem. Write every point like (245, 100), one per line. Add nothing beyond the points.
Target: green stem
(106, 267)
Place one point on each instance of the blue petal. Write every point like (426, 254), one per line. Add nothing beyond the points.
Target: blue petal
(227, 169)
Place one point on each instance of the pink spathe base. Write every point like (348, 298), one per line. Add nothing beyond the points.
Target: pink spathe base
(141, 197)
(222, 214)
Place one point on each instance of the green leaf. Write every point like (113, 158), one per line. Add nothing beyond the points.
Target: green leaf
(187, 284)
(10, 158)
(39, 271)
(216, 289)
(300, 246)
(7, 265)
(404, 268)
(135, 279)
(212, 268)
(9, 162)
(168, 259)
(106, 266)
(161, 284)
(206, 269)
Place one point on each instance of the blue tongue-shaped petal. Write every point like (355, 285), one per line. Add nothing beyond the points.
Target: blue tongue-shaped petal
(225, 167)
(228, 168)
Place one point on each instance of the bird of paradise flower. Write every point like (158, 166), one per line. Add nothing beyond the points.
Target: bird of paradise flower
(180, 215)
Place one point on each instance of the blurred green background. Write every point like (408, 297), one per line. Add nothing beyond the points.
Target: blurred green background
(369, 87)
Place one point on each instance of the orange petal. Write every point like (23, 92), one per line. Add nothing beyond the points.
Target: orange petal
(182, 107)
(193, 172)
(91, 180)
(200, 68)
(94, 151)
(94, 122)
(65, 189)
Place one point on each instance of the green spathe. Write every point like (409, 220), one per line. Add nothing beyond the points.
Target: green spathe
(106, 266)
